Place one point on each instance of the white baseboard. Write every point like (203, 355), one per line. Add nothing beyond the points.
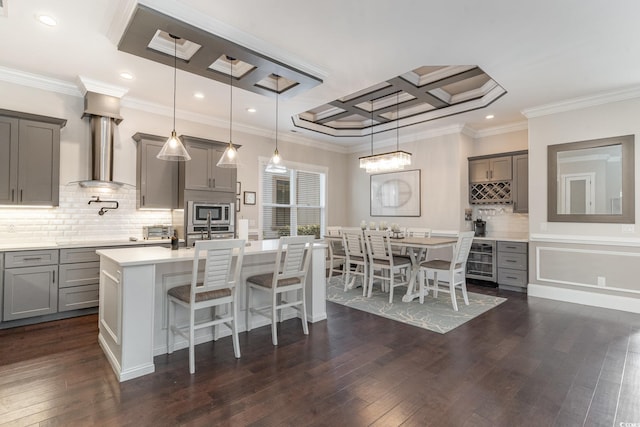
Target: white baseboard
(593, 299)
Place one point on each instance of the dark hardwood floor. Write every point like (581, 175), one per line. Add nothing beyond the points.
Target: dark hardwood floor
(528, 362)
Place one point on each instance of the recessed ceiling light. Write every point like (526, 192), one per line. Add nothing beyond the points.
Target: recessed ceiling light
(126, 76)
(251, 110)
(198, 95)
(47, 20)
(489, 116)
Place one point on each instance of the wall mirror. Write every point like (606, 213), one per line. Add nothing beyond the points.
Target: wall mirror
(592, 181)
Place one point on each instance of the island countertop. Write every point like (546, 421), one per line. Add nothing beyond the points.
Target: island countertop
(157, 255)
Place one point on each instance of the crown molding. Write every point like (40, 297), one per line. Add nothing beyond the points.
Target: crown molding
(24, 78)
(431, 133)
(499, 130)
(582, 102)
(87, 84)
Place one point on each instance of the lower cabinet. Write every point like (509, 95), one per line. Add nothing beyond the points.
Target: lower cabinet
(29, 292)
(512, 266)
(79, 278)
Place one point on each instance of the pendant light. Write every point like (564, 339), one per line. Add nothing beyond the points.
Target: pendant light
(173, 149)
(275, 163)
(229, 158)
(394, 160)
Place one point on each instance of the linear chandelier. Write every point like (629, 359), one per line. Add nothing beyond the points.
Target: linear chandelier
(393, 160)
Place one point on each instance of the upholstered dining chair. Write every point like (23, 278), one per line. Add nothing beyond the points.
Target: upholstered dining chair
(356, 264)
(394, 269)
(290, 274)
(218, 288)
(337, 254)
(455, 269)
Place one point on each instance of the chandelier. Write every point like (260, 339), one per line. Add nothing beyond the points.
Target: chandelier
(393, 160)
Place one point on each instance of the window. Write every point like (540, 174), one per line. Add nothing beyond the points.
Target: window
(292, 204)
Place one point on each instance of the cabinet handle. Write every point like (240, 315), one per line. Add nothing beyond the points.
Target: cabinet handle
(20, 195)
(209, 182)
(54, 276)
(511, 277)
(12, 194)
(510, 260)
(486, 174)
(214, 183)
(142, 200)
(38, 258)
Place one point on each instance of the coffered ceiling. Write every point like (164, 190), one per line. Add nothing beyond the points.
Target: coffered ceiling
(538, 53)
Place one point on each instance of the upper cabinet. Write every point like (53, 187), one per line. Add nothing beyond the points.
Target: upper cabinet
(29, 159)
(157, 180)
(201, 172)
(521, 183)
(490, 169)
(501, 178)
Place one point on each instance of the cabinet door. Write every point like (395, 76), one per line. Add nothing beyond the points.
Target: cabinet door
(8, 160)
(29, 292)
(197, 175)
(521, 183)
(479, 170)
(38, 163)
(158, 178)
(500, 169)
(224, 179)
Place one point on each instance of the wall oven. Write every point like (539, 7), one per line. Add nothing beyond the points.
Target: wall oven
(209, 220)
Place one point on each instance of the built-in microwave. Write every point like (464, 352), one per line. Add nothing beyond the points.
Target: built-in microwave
(209, 220)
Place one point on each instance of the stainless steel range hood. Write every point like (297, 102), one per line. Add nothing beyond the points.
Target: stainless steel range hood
(104, 114)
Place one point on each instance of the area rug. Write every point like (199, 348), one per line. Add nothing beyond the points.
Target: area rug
(436, 314)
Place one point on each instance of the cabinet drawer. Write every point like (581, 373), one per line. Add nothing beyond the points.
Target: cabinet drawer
(68, 256)
(78, 297)
(510, 277)
(512, 260)
(30, 258)
(85, 273)
(519, 247)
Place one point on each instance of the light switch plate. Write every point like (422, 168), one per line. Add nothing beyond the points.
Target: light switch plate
(628, 228)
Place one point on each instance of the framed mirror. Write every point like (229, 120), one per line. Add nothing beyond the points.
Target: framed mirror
(592, 181)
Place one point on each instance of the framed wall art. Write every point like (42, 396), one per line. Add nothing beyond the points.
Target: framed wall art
(249, 197)
(396, 193)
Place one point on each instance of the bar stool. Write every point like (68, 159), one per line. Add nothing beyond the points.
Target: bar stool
(217, 288)
(292, 263)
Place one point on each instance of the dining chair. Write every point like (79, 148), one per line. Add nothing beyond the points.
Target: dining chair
(292, 263)
(455, 267)
(337, 254)
(394, 269)
(356, 264)
(223, 261)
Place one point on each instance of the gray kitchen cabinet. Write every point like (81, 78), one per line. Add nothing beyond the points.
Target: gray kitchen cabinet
(29, 159)
(79, 278)
(490, 169)
(521, 183)
(512, 266)
(201, 172)
(157, 180)
(30, 285)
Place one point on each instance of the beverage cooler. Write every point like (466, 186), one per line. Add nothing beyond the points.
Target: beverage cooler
(481, 263)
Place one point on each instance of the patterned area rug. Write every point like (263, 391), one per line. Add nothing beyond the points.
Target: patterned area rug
(436, 314)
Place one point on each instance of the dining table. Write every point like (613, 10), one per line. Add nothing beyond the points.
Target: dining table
(416, 247)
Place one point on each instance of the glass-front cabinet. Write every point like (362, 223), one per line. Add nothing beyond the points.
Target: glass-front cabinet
(481, 263)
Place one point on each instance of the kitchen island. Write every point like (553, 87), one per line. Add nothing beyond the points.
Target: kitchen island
(133, 287)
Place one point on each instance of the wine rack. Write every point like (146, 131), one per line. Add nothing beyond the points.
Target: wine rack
(490, 192)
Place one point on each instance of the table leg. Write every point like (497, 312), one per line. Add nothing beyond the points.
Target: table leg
(415, 268)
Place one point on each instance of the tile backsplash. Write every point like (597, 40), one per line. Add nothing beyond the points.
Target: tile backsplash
(77, 220)
(501, 219)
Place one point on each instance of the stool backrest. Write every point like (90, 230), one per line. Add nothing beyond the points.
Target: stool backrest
(353, 242)
(463, 246)
(378, 244)
(219, 271)
(297, 256)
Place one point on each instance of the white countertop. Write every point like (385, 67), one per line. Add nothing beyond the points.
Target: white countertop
(505, 237)
(17, 246)
(157, 255)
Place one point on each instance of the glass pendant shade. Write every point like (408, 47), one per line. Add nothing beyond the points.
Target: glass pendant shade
(173, 149)
(275, 164)
(229, 158)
